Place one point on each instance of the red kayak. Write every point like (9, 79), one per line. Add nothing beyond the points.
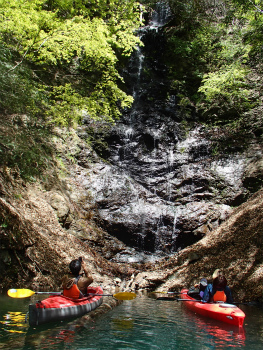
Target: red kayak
(58, 307)
(224, 312)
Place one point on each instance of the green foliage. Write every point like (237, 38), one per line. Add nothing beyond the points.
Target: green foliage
(77, 41)
(227, 84)
(24, 147)
(215, 55)
(68, 107)
(190, 14)
(19, 93)
(254, 37)
(189, 55)
(248, 5)
(65, 105)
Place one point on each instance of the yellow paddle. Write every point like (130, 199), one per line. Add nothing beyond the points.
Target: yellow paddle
(119, 296)
(24, 293)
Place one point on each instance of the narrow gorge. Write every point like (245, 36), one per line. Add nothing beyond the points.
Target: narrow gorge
(157, 200)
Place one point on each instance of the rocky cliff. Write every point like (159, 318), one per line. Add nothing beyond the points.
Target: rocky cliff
(46, 222)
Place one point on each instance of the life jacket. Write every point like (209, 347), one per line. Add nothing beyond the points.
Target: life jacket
(219, 296)
(73, 292)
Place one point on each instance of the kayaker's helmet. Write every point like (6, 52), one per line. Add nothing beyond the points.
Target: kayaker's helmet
(75, 267)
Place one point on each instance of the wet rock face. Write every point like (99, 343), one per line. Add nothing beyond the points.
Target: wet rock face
(177, 168)
(143, 219)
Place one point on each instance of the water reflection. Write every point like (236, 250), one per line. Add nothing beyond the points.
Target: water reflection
(12, 325)
(14, 322)
(58, 338)
(123, 324)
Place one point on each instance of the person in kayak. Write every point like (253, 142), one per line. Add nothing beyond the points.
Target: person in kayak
(218, 291)
(75, 285)
(201, 286)
(209, 287)
(221, 290)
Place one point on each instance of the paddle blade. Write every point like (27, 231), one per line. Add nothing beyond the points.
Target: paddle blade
(125, 296)
(20, 293)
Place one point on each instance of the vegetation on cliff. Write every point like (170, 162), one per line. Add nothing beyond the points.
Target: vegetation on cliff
(215, 58)
(60, 59)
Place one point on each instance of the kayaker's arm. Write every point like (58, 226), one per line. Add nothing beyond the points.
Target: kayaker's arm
(86, 271)
(86, 280)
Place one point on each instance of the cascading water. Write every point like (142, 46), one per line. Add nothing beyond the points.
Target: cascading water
(161, 15)
(160, 189)
(146, 75)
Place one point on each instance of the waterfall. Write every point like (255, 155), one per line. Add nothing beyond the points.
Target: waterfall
(146, 78)
(161, 15)
(160, 189)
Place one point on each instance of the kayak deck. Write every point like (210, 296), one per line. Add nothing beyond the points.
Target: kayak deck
(224, 312)
(58, 307)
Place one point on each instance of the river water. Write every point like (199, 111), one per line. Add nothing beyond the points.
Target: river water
(141, 324)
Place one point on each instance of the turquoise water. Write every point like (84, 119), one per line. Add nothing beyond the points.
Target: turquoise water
(140, 324)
